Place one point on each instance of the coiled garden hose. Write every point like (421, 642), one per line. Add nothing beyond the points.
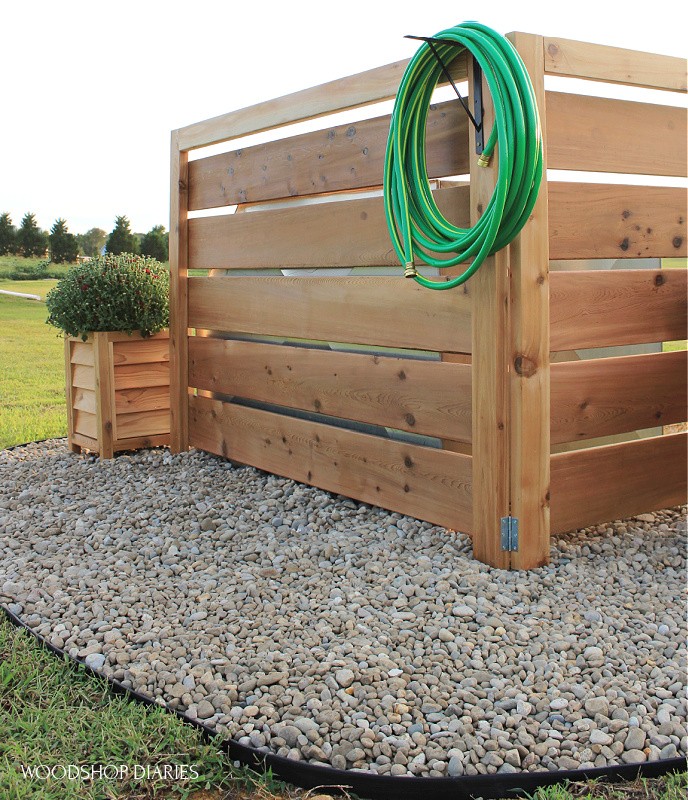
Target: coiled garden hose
(416, 226)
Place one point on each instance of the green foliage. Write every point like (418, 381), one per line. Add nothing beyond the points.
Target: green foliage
(64, 247)
(33, 272)
(17, 268)
(92, 242)
(31, 240)
(121, 239)
(111, 293)
(8, 235)
(155, 243)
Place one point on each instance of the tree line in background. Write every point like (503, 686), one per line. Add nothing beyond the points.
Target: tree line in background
(64, 247)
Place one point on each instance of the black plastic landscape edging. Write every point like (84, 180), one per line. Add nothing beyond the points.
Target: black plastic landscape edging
(382, 787)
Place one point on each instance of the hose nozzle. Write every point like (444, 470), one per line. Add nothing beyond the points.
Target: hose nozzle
(410, 270)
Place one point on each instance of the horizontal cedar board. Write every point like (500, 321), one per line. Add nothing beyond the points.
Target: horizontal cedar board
(136, 442)
(617, 222)
(614, 395)
(603, 135)
(614, 64)
(84, 400)
(82, 353)
(85, 423)
(426, 397)
(349, 233)
(371, 86)
(149, 398)
(84, 441)
(384, 311)
(430, 484)
(134, 376)
(141, 352)
(83, 377)
(602, 308)
(590, 220)
(142, 423)
(342, 157)
(601, 484)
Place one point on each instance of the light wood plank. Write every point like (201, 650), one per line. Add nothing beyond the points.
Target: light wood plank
(605, 396)
(136, 442)
(81, 352)
(344, 233)
(425, 397)
(343, 157)
(364, 88)
(490, 395)
(149, 398)
(430, 484)
(69, 393)
(83, 377)
(388, 311)
(588, 220)
(84, 400)
(604, 135)
(142, 424)
(614, 64)
(133, 376)
(86, 424)
(601, 484)
(529, 376)
(123, 336)
(179, 260)
(80, 441)
(104, 394)
(603, 308)
(618, 221)
(141, 352)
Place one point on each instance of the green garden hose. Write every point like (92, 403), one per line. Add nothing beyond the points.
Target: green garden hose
(415, 223)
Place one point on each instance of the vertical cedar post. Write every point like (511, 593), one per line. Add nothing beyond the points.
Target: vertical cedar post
(511, 409)
(75, 448)
(105, 394)
(179, 350)
(529, 370)
(490, 320)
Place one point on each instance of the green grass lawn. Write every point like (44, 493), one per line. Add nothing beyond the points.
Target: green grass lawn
(32, 399)
(13, 264)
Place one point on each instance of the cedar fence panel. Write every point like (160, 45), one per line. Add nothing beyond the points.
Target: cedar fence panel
(441, 405)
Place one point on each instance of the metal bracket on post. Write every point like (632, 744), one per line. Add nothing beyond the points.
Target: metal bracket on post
(478, 109)
(477, 116)
(510, 533)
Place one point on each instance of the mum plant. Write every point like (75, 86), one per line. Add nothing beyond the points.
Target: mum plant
(111, 293)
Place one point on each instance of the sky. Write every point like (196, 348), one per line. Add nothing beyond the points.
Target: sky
(92, 88)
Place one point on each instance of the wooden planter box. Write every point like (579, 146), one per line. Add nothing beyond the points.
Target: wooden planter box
(118, 392)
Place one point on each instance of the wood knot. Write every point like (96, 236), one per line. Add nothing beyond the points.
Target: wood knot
(677, 241)
(408, 462)
(410, 420)
(660, 280)
(624, 245)
(524, 366)
(552, 49)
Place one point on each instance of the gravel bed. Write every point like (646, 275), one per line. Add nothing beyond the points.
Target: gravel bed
(324, 630)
